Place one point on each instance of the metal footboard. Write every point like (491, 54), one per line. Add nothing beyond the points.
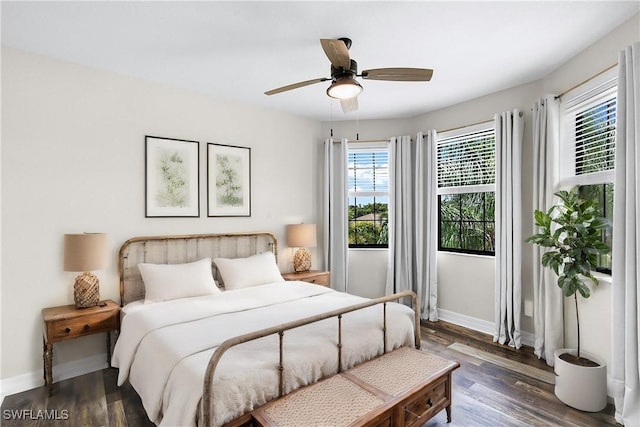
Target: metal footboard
(207, 394)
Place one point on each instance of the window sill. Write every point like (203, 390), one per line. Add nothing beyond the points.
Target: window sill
(368, 249)
(602, 278)
(467, 255)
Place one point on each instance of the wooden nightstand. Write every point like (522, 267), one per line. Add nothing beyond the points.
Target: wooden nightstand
(317, 277)
(68, 322)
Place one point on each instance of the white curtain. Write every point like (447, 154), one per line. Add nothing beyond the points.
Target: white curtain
(413, 220)
(508, 219)
(401, 268)
(548, 322)
(427, 224)
(335, 212)
(626, 242)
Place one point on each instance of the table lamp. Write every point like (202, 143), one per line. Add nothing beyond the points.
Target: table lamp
(301, 236)
(85, 252)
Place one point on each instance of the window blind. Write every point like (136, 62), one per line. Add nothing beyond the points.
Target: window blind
(587, 145)
(595, 136)
(467, 160)
(368, 172)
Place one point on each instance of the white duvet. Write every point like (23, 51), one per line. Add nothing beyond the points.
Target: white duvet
(164, 348)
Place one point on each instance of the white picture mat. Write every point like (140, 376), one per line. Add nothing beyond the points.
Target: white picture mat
(174, 192)
(228, 180)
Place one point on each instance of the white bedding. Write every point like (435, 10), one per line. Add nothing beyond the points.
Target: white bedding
(164, 348)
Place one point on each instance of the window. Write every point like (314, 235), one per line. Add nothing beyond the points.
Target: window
(368, 193)
(588, 147)
(466, 190)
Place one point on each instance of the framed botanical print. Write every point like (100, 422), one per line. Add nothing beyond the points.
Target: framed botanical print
(228, 180)
(172, 170)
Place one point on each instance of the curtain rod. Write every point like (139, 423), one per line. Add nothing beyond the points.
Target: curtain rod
(439, 131)
(472, 124)
(585, 81)
(466, 126)
(351, 141)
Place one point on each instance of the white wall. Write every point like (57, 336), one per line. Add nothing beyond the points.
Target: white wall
(465, 285)
(367, 272)
(73, 161)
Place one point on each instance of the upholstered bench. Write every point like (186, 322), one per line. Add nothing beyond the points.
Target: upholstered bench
(405, 387)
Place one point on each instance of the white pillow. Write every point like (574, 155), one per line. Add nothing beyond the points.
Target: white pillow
(164, 282)
(255, 270)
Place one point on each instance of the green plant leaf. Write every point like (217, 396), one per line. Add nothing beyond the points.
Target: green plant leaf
(584, 290)
(542, 219)
(541, 240)
(600, 223)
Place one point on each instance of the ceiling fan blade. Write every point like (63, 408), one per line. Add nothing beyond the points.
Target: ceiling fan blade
(296, 85)
(399, 74)
(337, 52)
(349, 105)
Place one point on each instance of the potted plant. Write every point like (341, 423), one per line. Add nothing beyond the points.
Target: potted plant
(572, 232)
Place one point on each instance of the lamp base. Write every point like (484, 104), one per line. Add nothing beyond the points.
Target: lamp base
(86, 290)
(302, 260)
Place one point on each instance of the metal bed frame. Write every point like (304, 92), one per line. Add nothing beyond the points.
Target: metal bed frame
(207, 392)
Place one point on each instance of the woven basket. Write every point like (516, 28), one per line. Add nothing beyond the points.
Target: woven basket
(86, 290)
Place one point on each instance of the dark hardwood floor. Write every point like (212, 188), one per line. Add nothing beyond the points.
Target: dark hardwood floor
(494, 386)
(501, 386)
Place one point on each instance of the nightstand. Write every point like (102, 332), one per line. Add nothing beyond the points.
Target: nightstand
(316, 277)
(68, 322)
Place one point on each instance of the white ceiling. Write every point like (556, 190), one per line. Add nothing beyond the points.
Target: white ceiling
(238, 50)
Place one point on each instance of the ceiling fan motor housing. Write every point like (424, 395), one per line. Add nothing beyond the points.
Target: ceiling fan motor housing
(338, 72)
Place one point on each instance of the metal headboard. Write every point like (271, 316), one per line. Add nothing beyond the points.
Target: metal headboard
(181, 249)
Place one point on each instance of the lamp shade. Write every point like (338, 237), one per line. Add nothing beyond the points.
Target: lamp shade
(85, 252)
(301, 235)
(344, 88)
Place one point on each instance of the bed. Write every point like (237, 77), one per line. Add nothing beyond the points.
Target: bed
(198, 356)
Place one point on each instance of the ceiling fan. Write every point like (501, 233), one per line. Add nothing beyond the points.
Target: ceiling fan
(344, 70)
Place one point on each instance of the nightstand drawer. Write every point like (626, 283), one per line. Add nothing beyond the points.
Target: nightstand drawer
(322, 279)
(317, 277)
(72, 328)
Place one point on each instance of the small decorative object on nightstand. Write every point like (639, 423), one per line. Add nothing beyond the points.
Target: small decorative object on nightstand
(84, 252)
(301, 236)
(316, 277)
(68, 322)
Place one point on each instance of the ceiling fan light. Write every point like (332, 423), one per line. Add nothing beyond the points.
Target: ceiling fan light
(344, 88)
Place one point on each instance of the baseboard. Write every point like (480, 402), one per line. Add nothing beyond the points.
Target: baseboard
(31, 380)
(479, 325)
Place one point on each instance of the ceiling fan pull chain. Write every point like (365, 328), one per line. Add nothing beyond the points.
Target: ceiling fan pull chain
(331, 115)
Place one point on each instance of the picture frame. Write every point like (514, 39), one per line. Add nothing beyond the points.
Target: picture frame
(228, 180)
(172, 172)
